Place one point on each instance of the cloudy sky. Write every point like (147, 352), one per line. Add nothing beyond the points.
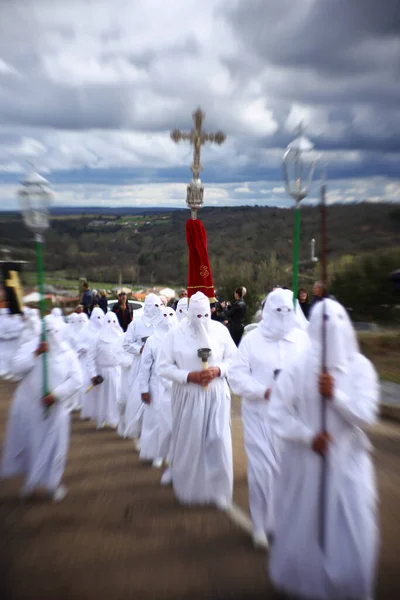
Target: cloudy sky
(89, 91)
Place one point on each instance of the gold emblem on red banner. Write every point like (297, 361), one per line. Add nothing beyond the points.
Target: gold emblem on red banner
(204, 272)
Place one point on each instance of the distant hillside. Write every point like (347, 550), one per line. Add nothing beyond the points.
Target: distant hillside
(153, 249)
(101, 210)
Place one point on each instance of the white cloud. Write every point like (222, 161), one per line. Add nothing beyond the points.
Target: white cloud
(392, 191)
(225, 194)
(243, 189)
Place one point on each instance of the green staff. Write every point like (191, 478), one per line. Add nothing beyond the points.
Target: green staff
(35, 196)
(298, 170)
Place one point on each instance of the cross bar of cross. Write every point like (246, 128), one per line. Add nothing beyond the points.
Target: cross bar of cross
(197, 136)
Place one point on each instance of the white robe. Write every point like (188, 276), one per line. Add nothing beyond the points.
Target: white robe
(250, 375)
(148, 382)
(37, 447)
(4, 363)
(164, 418)
(104, 359)
(131, 397)
(10, 330)
(202, 466)
(86, 341)
(297, 565)
(32, 329)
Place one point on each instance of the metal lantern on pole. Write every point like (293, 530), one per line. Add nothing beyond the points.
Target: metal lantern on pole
(35, 196)
(298, 171)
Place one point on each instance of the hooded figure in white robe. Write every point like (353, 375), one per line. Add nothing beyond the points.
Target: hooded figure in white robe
(87, 340)
(81, 326)
(35, 446)
(31, 329)
(11, 326)
(181, 309)
(263, 354)
(58, 314)
(32, 326)
(77, 323)
(134, 344)
(151, 389)
(105, 359)
(201, 450)
(347, 567)
(4, 326)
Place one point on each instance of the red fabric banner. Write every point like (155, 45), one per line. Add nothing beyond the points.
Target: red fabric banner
(199, 273)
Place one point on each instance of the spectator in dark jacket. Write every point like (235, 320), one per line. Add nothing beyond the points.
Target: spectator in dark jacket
(123, 311)
(302, 298)
(319, 294)
(87, 299)
(234, 315)
(103, 301)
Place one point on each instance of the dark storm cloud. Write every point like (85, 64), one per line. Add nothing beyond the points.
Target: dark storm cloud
(326, 35)
(342, 56)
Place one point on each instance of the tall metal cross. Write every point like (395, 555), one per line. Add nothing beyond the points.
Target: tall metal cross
(198, 137)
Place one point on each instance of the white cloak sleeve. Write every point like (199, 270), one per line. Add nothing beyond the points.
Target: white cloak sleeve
(240, 378)
(25, 359)
(73, 381)
(131, 344)
(167, 367)
(282, 413)
(230, 353)
(82, 343)
(91, 361)
(146, 364)
(362, 407)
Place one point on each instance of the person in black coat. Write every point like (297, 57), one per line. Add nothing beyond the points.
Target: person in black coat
(103, 301)
(318, 294)
(123, 311)
(304, 302)
(235, 314)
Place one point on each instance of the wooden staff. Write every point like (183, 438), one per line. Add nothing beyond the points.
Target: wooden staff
(97, 380)
(324, 277)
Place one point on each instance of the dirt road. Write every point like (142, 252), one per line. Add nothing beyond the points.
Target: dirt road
(119, 534)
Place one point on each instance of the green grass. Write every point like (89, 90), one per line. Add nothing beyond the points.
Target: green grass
(383, 349)
(58, 279)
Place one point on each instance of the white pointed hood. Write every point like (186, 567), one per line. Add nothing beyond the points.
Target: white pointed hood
(301, 321)
(58, 314)
(32, 325)
(111, 330)
(181, 309)
(96, 319)
(167, 322)
(278, 316)
(54, 335)
(341, 339)
(152, 309)
(199, 319)
(83, 320)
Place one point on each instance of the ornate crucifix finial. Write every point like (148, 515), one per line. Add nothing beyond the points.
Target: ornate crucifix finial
(198, 137)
